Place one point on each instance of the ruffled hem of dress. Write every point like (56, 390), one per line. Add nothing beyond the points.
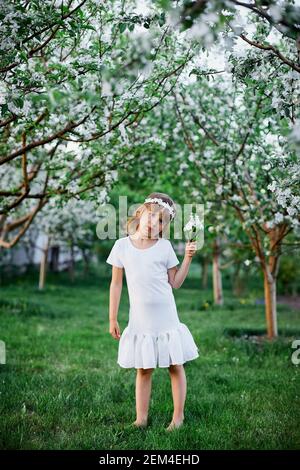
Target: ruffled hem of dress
(146, 350)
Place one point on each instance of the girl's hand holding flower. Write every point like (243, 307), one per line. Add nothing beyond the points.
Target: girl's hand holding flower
(190, 249)
(192, 229)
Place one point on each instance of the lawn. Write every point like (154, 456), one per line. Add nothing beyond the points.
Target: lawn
(61, 387)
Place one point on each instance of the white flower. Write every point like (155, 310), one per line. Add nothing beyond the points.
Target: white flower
(106, 89)
(272, 186)
(266, 167)
(278, 217)
(193, 224)
(219, 189)
(291, 211)
(123, 132)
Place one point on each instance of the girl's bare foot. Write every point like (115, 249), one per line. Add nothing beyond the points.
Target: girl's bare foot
(140, 423)
(174, 424)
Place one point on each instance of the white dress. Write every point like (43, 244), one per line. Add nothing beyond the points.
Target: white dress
(154, 336)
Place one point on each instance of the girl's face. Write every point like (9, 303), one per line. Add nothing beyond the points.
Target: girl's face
(153, 220)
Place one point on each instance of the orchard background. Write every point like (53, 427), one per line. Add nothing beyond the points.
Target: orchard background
(196, 99)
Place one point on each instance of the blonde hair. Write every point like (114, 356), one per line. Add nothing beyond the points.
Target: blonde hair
(134, 221)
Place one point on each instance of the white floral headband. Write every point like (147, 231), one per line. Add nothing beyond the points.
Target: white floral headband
(162, 203)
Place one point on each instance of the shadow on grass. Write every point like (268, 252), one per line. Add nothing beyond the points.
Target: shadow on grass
(250, 333)
(27, 308)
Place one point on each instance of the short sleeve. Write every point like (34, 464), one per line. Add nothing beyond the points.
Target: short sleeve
(172, 258)
(115, 256)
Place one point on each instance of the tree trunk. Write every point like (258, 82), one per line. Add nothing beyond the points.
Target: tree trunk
(238, 285)
(270, 303)
(54, 258)
(217, 277)
(72, 262)
(269, 266)
(43, 264)
(86, 260)
(204, 272)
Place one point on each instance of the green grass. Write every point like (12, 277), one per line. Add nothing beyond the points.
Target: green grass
(62, 388)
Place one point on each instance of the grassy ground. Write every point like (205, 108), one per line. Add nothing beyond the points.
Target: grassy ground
(61, 387)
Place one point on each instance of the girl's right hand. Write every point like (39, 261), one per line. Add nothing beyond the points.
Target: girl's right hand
(114, 329)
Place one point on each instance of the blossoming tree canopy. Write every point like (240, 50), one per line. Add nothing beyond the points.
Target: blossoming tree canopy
(75, 80)
(241, 150)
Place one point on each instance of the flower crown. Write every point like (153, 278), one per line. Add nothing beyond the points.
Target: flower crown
(162, 203)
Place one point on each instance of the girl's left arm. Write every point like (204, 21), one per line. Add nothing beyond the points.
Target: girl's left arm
(177, 275)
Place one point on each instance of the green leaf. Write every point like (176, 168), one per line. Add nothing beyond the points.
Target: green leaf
(122, 27)
(88, 26)
(19, 102)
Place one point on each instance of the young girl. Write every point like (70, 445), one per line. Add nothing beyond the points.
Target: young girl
(154, 336)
